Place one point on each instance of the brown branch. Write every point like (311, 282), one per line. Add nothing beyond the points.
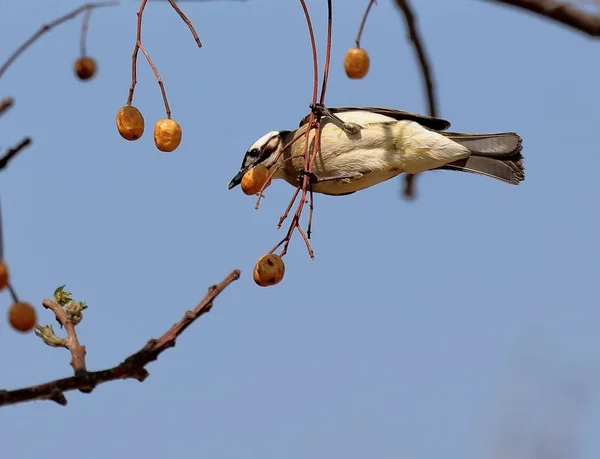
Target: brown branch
(5, 104)
(71, 342)
(47, 27)
(136, 48)
(158, 79)
(140, 47)
(561, 12)
(425, 66)
(133, 367)
(85, 24)
(187, 22)
(363, 22)
(10, 154)
(314, 119)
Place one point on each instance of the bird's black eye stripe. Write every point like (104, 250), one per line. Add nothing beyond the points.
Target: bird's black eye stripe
(255, 152)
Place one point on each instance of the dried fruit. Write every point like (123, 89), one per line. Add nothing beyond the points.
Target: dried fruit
(269, 270)
(85, 68)
(3, 275)
(356, 63)
(22, 317)
(130, 122)
(254, 179)
(167, 134)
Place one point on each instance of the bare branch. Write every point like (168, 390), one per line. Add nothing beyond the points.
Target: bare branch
(10, 154)
(363, 22)
(187, 22)
(561, 12)
(71, 342)
(5, 104)
(47, 27)
(133, 367)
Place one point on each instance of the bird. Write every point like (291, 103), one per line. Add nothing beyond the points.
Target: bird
(363, 146)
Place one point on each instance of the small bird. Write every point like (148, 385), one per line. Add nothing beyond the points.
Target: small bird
(362, 147)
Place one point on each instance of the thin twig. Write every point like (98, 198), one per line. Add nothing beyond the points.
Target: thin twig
(425, 66)
(85, 24)
(288, 208)
(419, 47)
(363, 22)
(5, 104)
(158, 79)
(327, 52)
(10, 154)
(136, 48)
(561, 12)
(314, 123)
(1, 235)
(13, 293)
(140, 47)
(47, 27)
(313, 46)
(133, 367)
(187, 22)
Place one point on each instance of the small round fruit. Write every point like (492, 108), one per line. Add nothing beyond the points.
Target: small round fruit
(167, 134)
(85, 68)
(254, 179)
(130, 122)
(269, 270)
(3, 275)
(22, 317)
(356, 63)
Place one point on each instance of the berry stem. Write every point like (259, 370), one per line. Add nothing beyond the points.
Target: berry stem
(85, 24)
(187, 22)
(363, 22)
(13, 293)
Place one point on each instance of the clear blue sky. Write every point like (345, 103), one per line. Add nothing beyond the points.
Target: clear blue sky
(421, 330)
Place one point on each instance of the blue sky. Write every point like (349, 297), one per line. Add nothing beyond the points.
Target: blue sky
(422, 329)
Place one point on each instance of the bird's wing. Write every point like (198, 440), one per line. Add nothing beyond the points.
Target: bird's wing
(438, 124)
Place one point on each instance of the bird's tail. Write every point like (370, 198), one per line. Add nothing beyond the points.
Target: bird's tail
(495, 155)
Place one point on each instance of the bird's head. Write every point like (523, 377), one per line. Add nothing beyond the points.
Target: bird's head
(265, 150)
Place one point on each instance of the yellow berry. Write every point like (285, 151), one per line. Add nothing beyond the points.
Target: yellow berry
(356, 63)
(167, 134)
(22, 317)
(254, 179)
(269, 270)
(130, 122)
(85, 68)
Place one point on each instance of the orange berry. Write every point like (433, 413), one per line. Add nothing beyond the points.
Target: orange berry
(356, 63)
(130, 122)
(3, 275)
(85, 68)
(254, 179)
(22, 317)
(167, 134)
(269, 270)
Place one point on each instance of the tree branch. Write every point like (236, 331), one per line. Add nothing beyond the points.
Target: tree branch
(47, 27)
(10, 154)
(561, 12)
(133, 367)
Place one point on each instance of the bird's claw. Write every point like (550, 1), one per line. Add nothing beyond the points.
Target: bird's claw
(322, 111)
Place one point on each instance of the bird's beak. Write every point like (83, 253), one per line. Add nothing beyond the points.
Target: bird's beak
(235, 181)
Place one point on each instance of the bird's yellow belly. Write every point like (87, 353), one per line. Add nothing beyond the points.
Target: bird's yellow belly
(346, 186)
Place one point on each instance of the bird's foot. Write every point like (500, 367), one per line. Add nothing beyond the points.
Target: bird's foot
(313, 178)
(321, 110)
